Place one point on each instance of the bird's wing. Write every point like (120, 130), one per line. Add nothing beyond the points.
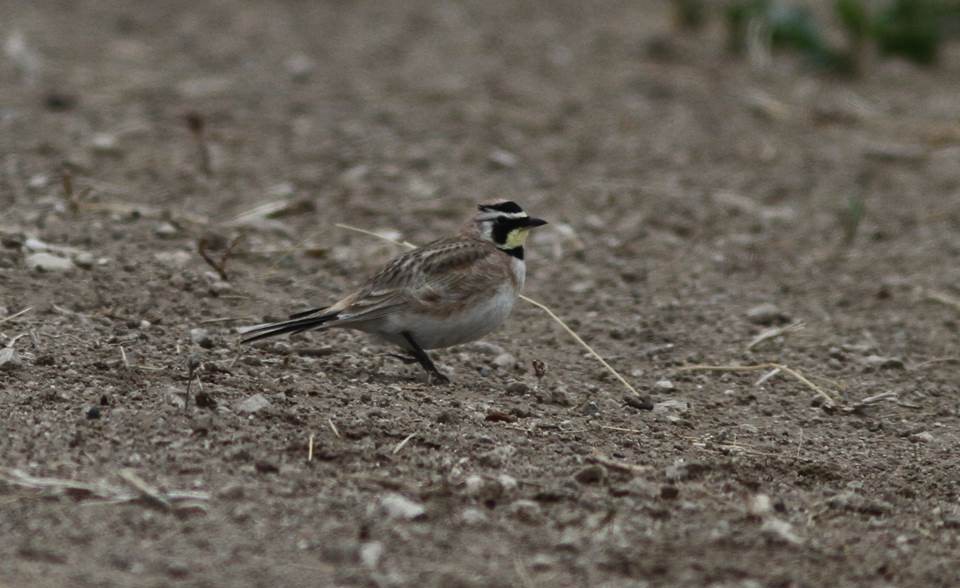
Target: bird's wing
(442, 272)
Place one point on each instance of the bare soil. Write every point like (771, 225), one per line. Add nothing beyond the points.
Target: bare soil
(685, 188)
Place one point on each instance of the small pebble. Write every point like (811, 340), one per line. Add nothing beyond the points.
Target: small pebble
(669, 492)
(781, 531)
(254, 404)
(672, 405)
(766, 314)
(105, 144)
(484, 348)
(299, 66)
(232, 491)
(473, 516)
(93, 412)
(9, 359)
(591, 474)
(166, 230)
(638, 402)
(590, 409)
(201, 337)
(500, 158)
(878, 362)
(664, 385)
(505, 361)
(47, 262)
(759, 505)
(517, 388)
(526, 511)
(371, 553)
(84, 260)
(399, 507)
(923, 437)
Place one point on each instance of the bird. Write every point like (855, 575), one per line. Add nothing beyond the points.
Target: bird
(448, 292)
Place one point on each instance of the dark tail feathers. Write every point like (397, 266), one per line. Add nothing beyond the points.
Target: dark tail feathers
(298, 323)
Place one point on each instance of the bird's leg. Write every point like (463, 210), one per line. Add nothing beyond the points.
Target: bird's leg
(425, 362)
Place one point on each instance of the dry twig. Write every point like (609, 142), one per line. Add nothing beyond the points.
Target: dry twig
(333, 428)
(220, 266)
(105, 492)
(147, 492)
(773, 333)
(828, 399)
(15, 315)
(403, 443)
(943, 298)
(618, 465)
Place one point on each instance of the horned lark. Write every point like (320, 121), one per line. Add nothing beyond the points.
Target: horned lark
(451, 291)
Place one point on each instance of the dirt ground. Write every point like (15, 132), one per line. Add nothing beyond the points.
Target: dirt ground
(695, 201)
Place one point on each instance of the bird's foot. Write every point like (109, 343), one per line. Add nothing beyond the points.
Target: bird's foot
(437, 379)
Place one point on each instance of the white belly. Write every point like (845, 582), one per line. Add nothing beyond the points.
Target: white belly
(435, 332)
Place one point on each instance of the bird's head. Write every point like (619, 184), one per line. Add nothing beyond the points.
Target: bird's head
(505, 224)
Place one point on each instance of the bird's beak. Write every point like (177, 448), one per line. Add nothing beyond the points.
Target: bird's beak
(534, 222)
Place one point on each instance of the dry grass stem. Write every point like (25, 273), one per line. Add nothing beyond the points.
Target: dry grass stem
(621, 429)
(539, 305)
(226, 319)
(102, 491)
(219, 265)
(830, 400)
(618, 465)
(147, 492)
(943, 298)
(310, 448)
(937, 360)
(735, 447)
(773, 333)
(333, 428)
(403, 443)
(525, 580)
(15, 315)
(760, 381)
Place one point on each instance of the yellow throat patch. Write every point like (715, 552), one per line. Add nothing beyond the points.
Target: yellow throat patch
(516, 238)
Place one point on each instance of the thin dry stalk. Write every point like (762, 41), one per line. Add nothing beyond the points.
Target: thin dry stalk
(621, 429)
(102, 491)
(147, 492)
(15, 315)
(943, 298)
(618, 465)
(403, 443)
(773, 333)
(937, 360)
(226, 319)
(760, 381)
(220, 266)
(197, 126)
(539, 305)
(872, 400)
(310, 448)
(764, 366)
(525, 580)
(73, 203)
(333, 428)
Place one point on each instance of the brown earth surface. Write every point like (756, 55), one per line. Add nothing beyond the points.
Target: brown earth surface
(685, 188)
